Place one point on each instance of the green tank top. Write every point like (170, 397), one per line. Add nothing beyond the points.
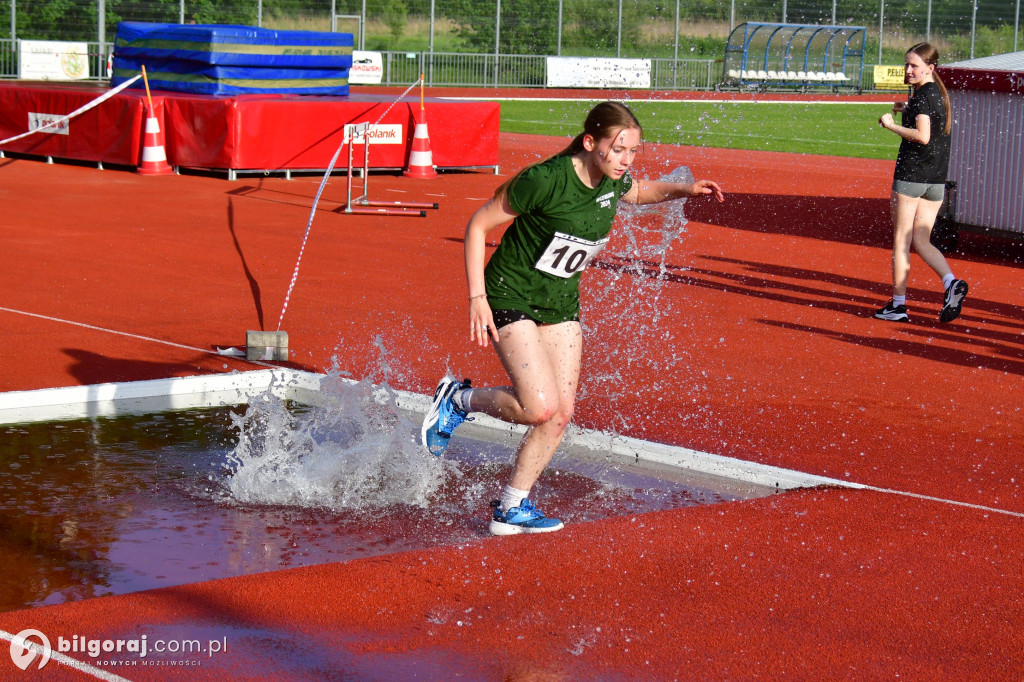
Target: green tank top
(562, 225)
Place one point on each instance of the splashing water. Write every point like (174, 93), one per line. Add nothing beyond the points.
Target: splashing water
(354, 450)
(668, 217)
(626, 315)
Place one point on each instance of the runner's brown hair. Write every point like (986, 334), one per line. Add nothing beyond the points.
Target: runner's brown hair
(929, 55)
(605, 121)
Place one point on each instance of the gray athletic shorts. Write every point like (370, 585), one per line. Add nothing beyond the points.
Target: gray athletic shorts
(920, 190)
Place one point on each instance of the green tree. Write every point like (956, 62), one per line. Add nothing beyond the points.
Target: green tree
(527, 26)
(395, 13)
(593, 25)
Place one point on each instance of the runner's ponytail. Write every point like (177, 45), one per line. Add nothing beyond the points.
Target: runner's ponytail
(929, 55)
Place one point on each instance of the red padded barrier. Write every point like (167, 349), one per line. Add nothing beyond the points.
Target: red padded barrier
(248, 132)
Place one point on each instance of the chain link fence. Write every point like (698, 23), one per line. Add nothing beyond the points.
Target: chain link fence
(502, 42)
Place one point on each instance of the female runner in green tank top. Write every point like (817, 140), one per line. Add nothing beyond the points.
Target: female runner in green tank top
(526, 299)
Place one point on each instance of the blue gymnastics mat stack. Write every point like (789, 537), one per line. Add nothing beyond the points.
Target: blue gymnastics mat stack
(216, 59)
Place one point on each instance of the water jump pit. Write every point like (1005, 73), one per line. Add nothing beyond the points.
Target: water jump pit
(116, 488)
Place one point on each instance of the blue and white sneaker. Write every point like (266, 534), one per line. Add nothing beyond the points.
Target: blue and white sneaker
(522, 519)
(443, 416)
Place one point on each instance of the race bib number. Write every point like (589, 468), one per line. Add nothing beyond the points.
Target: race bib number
(566, 255)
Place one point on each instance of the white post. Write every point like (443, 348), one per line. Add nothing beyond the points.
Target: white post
(1017, 23)
(618, 44)
(834, 12)
(497, 36)
(974, 25)
(675, 54)
(558, 50)
(928, 25)
(881, 27)
(675, 58)
(101, 27)
(430, 72)
(431, 41)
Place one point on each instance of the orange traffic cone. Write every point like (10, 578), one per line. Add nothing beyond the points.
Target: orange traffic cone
(421, 161)
(154, 158)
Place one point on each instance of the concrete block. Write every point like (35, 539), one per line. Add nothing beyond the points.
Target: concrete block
(266, 345)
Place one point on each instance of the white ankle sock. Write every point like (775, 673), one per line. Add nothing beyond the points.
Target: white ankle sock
(512, 497)
(947, 280)
(899, 300)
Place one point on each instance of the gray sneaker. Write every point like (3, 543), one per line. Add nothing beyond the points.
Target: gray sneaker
(955, 294)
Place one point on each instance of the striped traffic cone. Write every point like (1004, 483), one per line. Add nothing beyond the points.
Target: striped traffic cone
(421, 161)
(154, 158)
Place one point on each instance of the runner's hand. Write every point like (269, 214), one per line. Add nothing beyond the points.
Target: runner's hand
(700, 187)
(481, 322)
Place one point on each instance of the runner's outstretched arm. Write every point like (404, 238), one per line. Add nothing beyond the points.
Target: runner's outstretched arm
(655, 191)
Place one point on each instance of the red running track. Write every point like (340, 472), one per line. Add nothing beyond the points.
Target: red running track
(760, 346)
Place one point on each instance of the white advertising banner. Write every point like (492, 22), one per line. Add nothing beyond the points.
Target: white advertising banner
(598, 72)
(54, 124)
(381, 133)
(367, 68)
(51, 60)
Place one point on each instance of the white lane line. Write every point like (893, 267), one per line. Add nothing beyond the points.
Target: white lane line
(120, 333)
(955, 503)
(670, 101)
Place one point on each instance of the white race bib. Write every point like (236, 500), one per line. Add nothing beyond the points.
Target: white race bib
(566, 255)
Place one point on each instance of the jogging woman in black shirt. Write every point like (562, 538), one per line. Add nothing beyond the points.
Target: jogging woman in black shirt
(919, 183)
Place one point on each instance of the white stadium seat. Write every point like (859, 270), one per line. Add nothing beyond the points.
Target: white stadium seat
(733, 73)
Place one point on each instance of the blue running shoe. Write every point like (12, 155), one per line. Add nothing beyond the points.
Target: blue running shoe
(443, 416)
(522, 519)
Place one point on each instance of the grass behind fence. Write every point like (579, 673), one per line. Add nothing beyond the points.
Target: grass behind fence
(838, 129)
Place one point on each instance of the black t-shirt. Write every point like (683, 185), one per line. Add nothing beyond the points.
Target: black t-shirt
(918, 162)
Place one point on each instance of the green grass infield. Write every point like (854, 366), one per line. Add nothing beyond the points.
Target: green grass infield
(834, 128)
